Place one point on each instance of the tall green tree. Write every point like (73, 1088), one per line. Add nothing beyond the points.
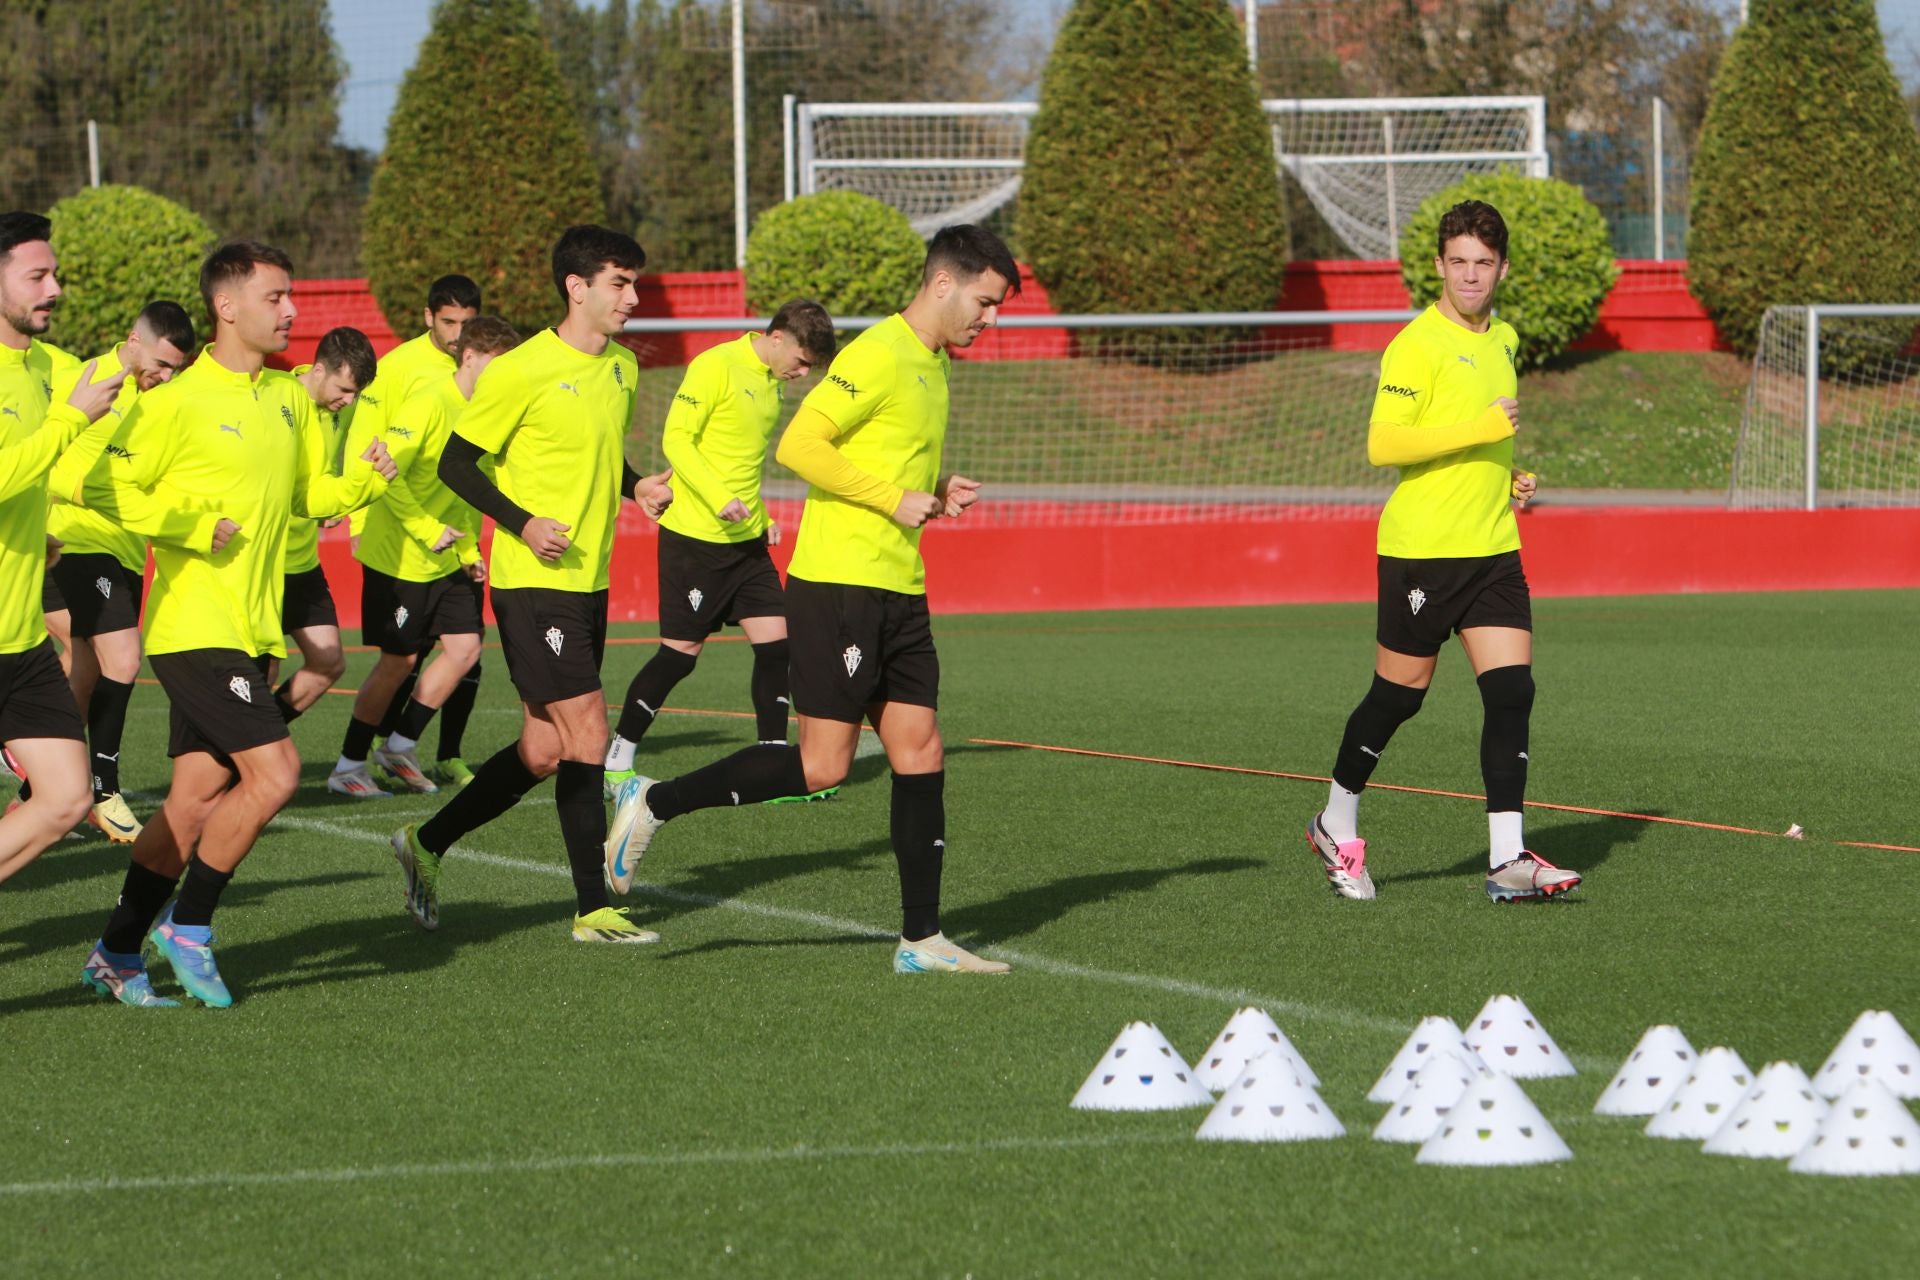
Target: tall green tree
(486, 164)
(1806, 181)
(230, 107)
(1150, 182)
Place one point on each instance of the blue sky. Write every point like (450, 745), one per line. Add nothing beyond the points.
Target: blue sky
(379, 38)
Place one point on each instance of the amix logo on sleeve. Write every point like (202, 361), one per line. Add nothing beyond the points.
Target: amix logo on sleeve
(1393, 390)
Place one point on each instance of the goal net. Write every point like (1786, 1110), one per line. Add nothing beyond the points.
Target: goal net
(1832, 415)
(1366, 163)
(1264, 421)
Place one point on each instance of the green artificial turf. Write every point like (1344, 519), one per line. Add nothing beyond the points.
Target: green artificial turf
(759, 1095)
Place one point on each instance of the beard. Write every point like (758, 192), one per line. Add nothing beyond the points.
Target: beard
(28, 320)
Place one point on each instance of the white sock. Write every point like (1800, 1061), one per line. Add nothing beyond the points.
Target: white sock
(620, 754)
(344, 765)
(1342, 815)
(399, 742)
(1504, 839)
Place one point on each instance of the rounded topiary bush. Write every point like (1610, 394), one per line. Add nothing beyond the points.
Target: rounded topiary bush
(486, 164)
(1806, 178)
(849, 252)
(119, 249)
(1561, 257)
(1150, 182)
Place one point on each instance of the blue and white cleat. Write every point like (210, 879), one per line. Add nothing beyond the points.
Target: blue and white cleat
(122, 977)
(631, 833)
(938, 955)
(189, 949)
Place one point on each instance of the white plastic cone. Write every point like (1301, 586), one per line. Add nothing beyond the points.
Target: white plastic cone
(1270, 1102)
(1433, 1035)
(1705, 1099)
(1140, 1071)
(1420, 1111)
(1868, 1132)
(1875, 1045)
(1494, 1123)
(1248, 1034)
(1510, 1040)
(1658, 1065)
(1777, 1118)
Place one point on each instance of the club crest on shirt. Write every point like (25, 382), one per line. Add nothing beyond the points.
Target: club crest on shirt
(1416, 598)
(555, 638)
(400, 616)
(694, 597)
(242, 688)
(852, 658)
(619, 378)
(106, 587)
(287, 415)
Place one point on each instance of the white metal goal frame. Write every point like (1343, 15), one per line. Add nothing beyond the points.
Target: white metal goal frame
(1365, 162)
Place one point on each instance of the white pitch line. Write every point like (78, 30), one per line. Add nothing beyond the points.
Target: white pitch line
(564, 1164)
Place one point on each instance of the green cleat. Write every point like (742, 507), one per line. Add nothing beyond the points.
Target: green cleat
(188, 950)
(610, 924)
(421, 867)
(825, 793)
(612, 779)
(452, 772)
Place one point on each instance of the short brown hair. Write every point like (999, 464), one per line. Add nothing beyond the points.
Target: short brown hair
(1474, 218)
(233, 262)
(348, 348)
(489, 335)
(808, 323)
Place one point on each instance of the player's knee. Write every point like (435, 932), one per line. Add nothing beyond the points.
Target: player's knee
(1507, 688)
(64, 802)
(1400, 702)
(329, 664)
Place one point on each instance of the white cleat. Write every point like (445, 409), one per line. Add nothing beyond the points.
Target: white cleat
(1345, 861)
(631, 833)
(938, 955)
(357, 783)
(404, 768)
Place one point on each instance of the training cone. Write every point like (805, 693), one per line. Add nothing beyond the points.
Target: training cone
(1270, 1102)
(1140, 1071)
(1875, 1045)
(1248, 1034)
(1422, 1108)
(1701, 1104)
(1777, 1118)
(1867, 1132)
(1494, 1123)
(1433, 1035)
(1658, 1065)
(1510, 1040)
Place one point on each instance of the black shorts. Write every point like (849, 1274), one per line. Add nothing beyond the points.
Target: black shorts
(220, 702)
(553, 640)
(307, 601)
(35, 699)
(708, 585)
(402, 617)
(853, 647)
(51, 601)
(102, 594)
(1422, 602)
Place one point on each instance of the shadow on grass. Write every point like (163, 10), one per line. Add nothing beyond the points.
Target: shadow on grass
(1024, 911)
(1578, 846)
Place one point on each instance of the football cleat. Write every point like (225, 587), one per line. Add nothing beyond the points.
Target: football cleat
(825, 793)
(610, 924)
(404, 768)
(1527, 878)
(452, 772)
(631, 833)
(357, 783)
(613, 779)
(421, 867)
(1345, 861)
(939, 955)
(124, 978)
(189, 950)
(112, 818)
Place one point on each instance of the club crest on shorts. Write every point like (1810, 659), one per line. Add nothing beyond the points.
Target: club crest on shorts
(852, 658)
(555, 638)
(1416, 598)
(694, 597)
(242, 689)
(106, 587)
(400, 616)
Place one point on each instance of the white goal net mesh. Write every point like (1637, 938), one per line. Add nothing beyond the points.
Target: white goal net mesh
(1864, 412)
(1366, 163)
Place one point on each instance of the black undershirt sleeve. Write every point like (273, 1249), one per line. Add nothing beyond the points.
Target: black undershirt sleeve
(460, 471)
(629, 480)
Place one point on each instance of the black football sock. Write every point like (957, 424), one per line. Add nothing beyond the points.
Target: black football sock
(1506, 697)
(282, 698)
(769, 687)
(648, 692)
(142, 894)
(1386, 707)
(106, 725)
(454, 716)
(414, 720)
(748, 776)
(200, 893)
(401, 696)
(583, 827)
(358, 740)
(919, 826)
(496, 787)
